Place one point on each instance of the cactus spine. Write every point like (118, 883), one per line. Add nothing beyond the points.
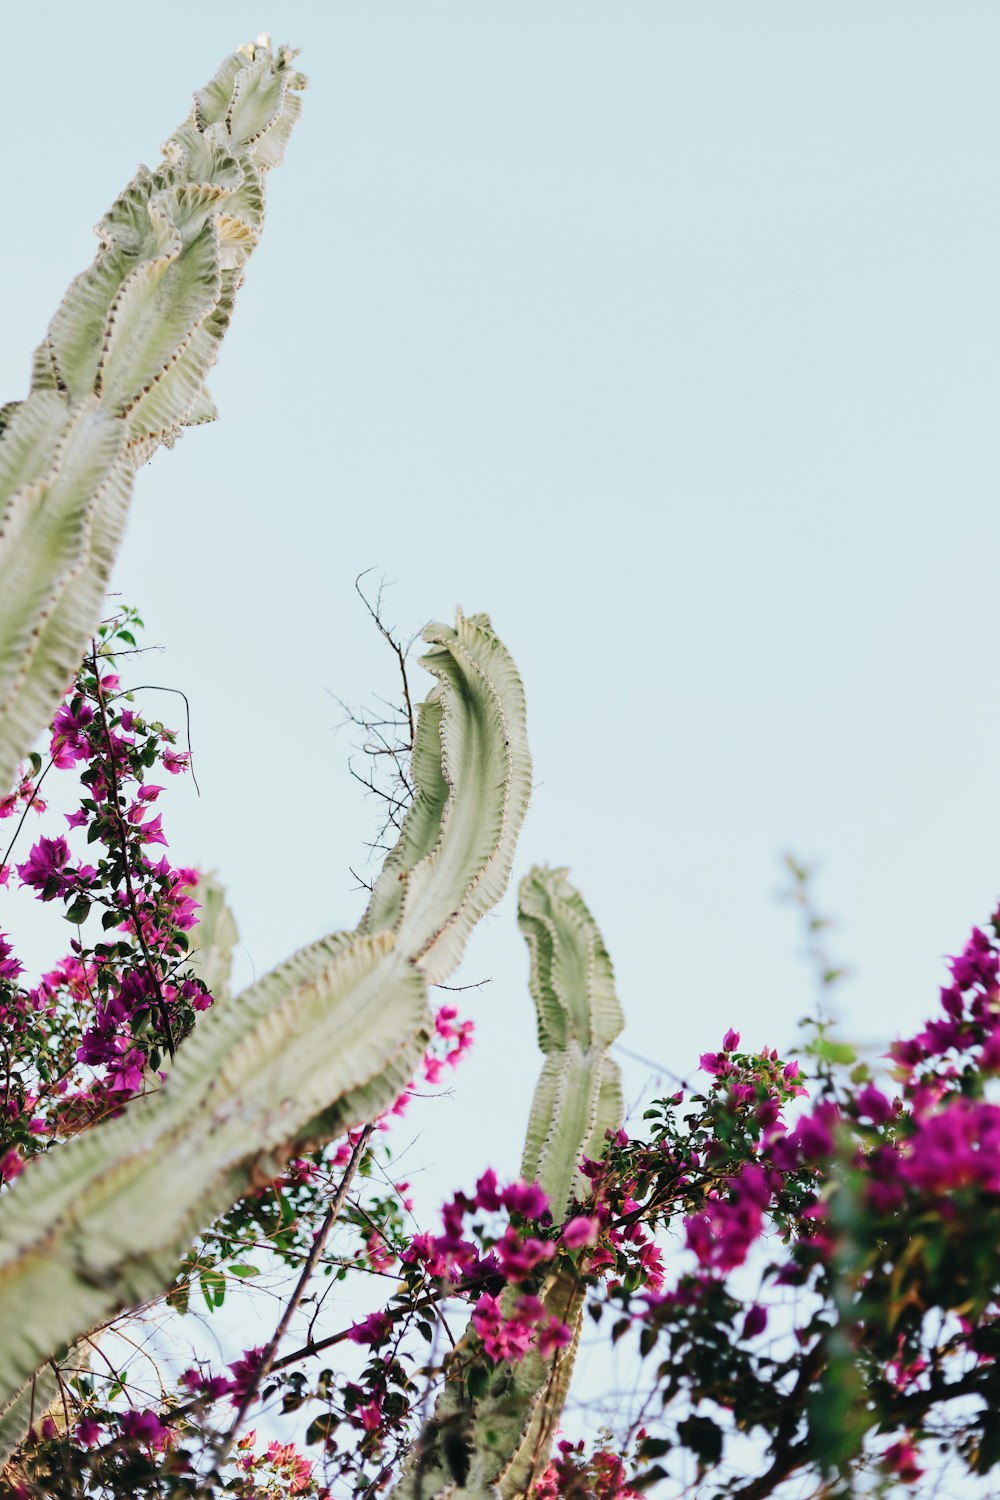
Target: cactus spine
(121, 370)
(324, 1042)
(508, 1432)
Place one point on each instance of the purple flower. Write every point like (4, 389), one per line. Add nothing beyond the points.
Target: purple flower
(580, 1231)
(755, 1322)
(245, 1372)
(10, 967)
(525, 1198)
(144, 1427)
(69, 743)
(488, 1192)
(373, 1330)
(88, 1432)
(873, 1105)
(46, 867)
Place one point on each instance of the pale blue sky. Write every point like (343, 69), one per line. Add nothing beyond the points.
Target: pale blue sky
(670, 335)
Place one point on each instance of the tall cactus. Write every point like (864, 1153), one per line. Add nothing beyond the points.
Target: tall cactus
(121, 370)
(508, 1432)
(324, 1042)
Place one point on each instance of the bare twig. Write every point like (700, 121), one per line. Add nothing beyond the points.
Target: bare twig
(268, 1359)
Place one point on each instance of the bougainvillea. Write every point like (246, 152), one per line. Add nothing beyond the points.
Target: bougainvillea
(96, 1027)
(799, 1257)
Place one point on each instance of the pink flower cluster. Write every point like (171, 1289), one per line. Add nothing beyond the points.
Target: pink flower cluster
(96, 1021)
(508, 1328)
(279, 1469)
(509, 1333)
(457, 1037)
(721, 1235)
(513, 1256)
(602, 1476)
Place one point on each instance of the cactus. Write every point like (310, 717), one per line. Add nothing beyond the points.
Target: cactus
(213, 938)
(507, 1433)
(121, 370)
(329, 1038)
(24, 1407)
(324, 1042)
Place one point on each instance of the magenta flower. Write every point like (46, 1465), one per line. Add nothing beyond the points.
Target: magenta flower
(152, 832)
(373, 1330)
(11, 1165)
(10, 967)
(125, 1068)
(69, 742)
(873, 1105)
(552, 1337)
(488, 1191)
(88, 1432)
(525, 1198)
(580, 1231)
(814, 1134)
(714, 1063)
(901, 1460)
(244, 1372)
(46, 866)
(518, 1258)
(371, 1414)
(755, 1322)
(144, 1427)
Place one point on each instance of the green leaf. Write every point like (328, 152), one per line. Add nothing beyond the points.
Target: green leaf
(649, 1478)
(78, 911)
(321, 1427)
(834, 1052)
(703, 1437)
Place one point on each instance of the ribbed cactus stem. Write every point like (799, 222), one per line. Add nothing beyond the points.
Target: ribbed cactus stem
(508, 1432)
(121, 370)
(327, 1040)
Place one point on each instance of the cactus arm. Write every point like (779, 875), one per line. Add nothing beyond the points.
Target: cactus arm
(213, 938)
(578, 1098)
(121, 369)
(25, 1405)
(326, 1041)
(64, 491)
(454, 855)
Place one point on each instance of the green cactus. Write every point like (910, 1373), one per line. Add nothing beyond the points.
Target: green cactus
(213, 938)
(23, 1407)
(329, 1038)
(324, 1042)
(121, 370)
(507, 1433)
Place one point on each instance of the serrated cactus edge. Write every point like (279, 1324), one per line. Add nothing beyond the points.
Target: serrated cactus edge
(326, 1041)
(121, 370)
(508, 1432)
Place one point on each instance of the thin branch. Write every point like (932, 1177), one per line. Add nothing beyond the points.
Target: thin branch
(376, 615)
(27, 808)
(156, 687)
(312, 1259)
